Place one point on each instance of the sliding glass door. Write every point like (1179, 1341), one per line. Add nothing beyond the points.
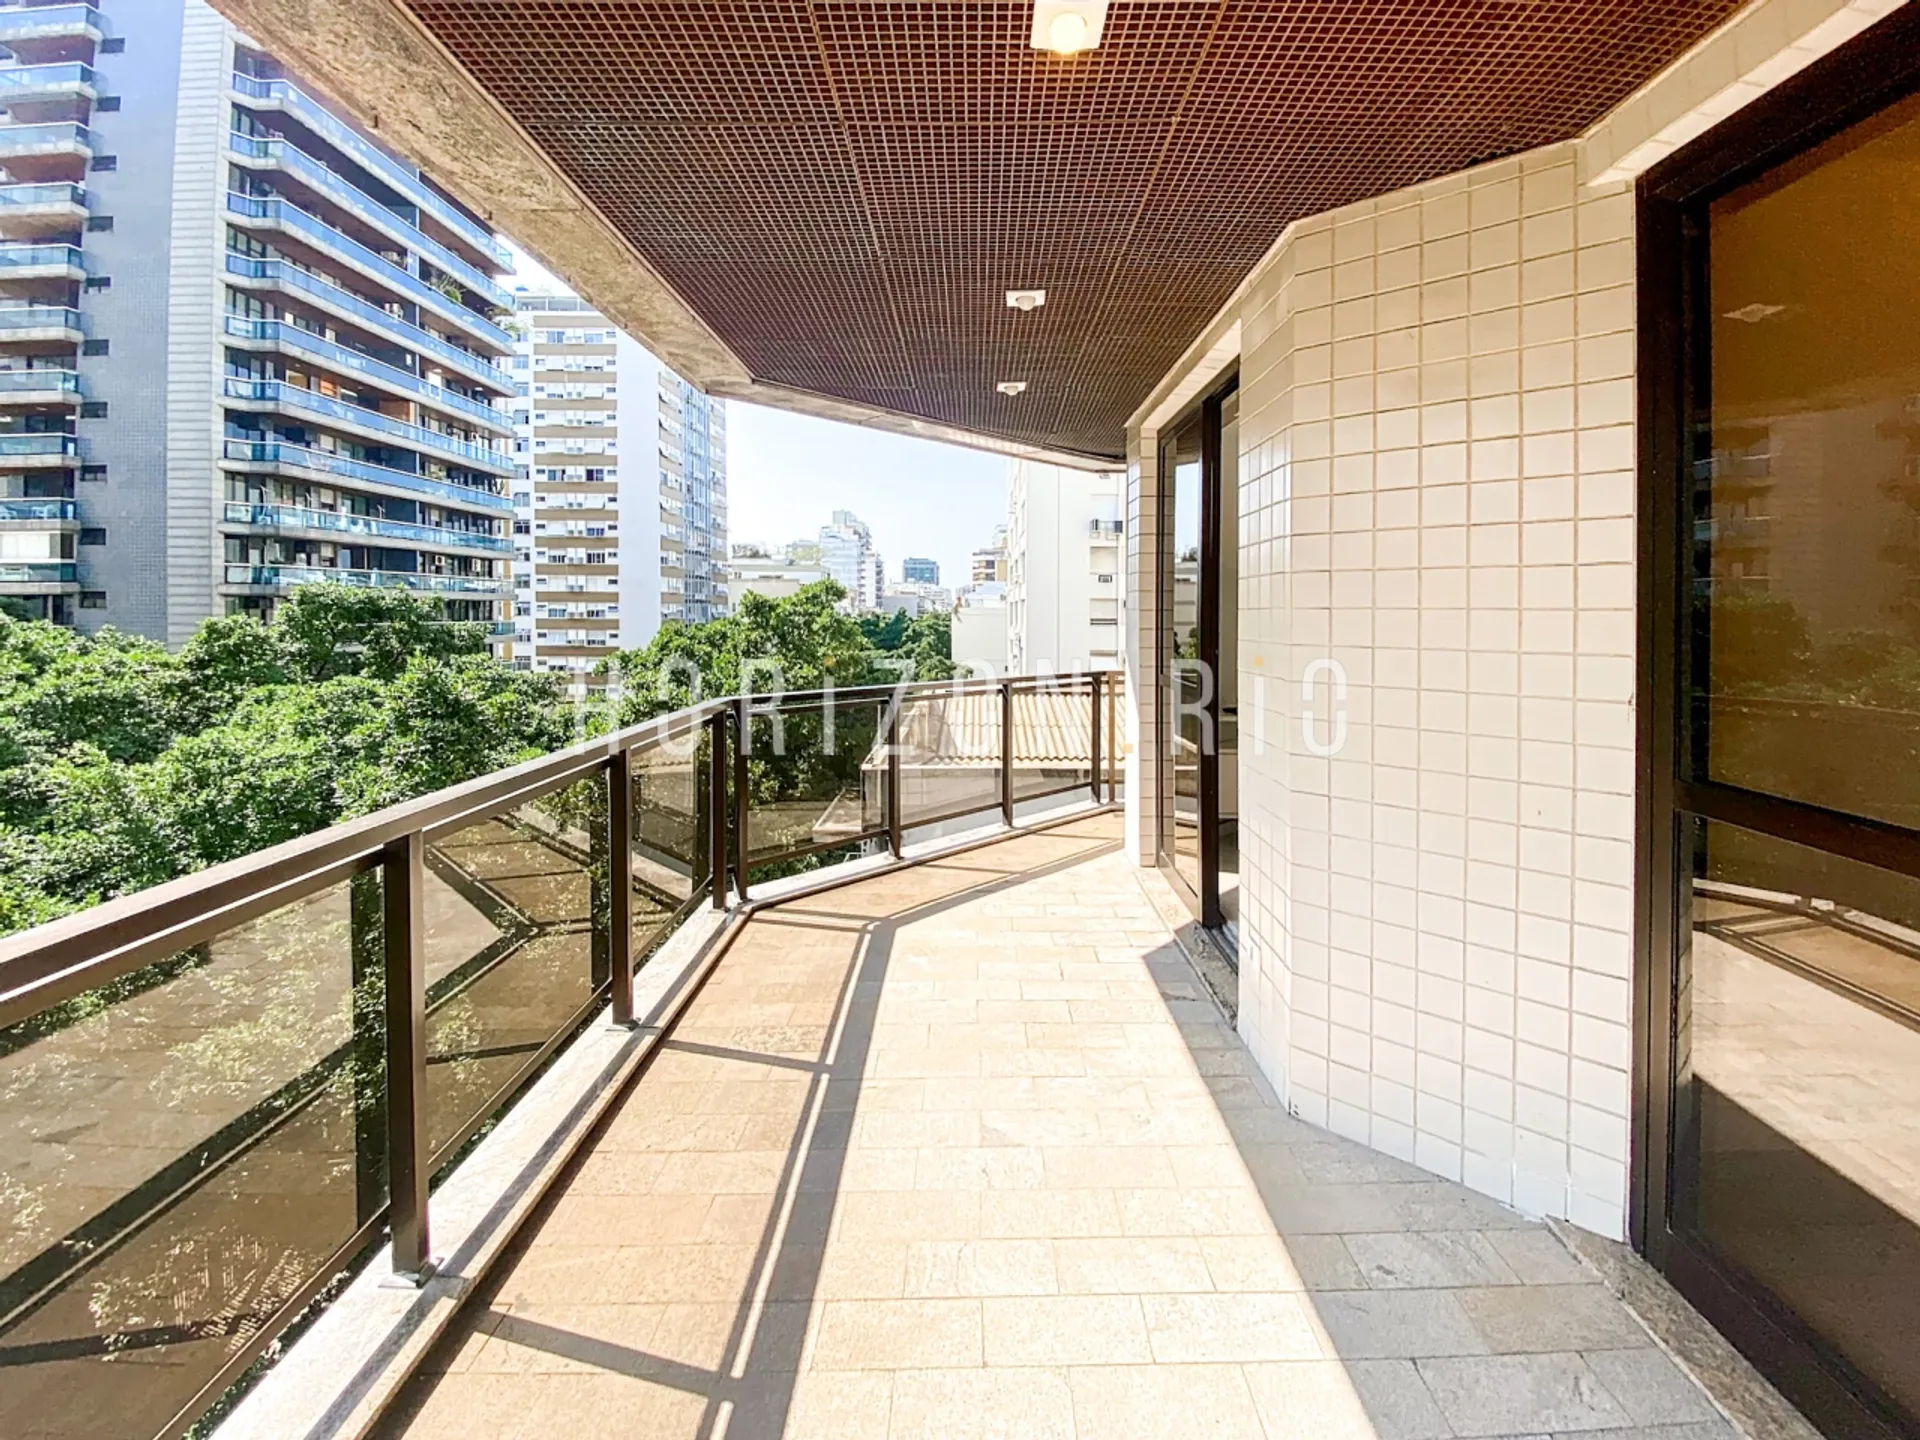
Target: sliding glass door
(1198, 642)
(1782, 824)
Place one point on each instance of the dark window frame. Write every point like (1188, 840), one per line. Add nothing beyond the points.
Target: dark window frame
(1862, 78)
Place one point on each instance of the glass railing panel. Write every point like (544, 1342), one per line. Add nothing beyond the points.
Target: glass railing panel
(50, 572)
(292, 337)
(279, 392)
(38, 445)
(36, 257)
(36, 381)
(296, 517)
(39, 317)
(365, 579)
(511, 953)
(38, 510)
(185, 1149)
(22, 22)
(949, 755)
(17, 138)
(18, 80)
(671, 840)
(51, 194)
(816, 779)
(1052, 739)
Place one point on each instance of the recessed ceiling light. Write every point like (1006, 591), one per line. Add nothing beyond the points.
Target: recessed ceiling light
(1024, 300)
(1011, 387)
(1067, 27)
(1753, 314)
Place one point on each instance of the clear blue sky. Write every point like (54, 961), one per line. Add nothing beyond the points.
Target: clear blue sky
(787, 474)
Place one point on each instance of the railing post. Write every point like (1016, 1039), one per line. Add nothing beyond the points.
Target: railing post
(618, 879)
(1093, 731)
(717, 809)
(1113, 742)
(403, 885)
(367, 926)
(1006, 753)
(744, 718)
(895, 836)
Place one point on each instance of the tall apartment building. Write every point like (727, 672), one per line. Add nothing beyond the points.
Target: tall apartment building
(920, 571)
(620, 511)
(846, 550)
(989, 563)
(242, 346)
(1063, 561)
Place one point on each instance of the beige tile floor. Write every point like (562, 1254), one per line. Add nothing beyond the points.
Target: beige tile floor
(964, 1151)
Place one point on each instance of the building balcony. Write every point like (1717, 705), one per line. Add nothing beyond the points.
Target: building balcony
(300, 520)
(37, 386)
(20, 84)
(289, 278)
(20, 323)
(34, 451)
(59, 137)
(271, 154)
(276, 578)
(36, 577)
(285, 95)
(304, 462)
(56, 206)
(35, 514)
(41, 262)
(283, 215)
(49, 22)
(281, 336)
(278, 396)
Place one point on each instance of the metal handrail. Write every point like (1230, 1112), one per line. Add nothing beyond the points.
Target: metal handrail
(42, 967)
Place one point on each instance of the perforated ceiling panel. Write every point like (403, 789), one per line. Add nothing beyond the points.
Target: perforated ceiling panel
(845, 191)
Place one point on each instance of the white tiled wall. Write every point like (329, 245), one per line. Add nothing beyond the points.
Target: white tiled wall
(1437, 496)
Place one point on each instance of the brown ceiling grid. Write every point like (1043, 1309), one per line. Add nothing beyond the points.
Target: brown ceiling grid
(844, 189)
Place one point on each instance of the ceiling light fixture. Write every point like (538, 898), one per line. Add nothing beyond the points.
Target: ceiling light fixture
(1753, 314)
(1011, 387)
(1066, 27)
(1025, 300)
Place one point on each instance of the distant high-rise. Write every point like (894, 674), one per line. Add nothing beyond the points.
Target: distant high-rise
(622, 503)
(846, 550)
(242, 346)
(919, 571)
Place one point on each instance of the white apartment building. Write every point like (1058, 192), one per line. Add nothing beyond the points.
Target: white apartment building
(1063, 560)
(846, 550)
(609, 546)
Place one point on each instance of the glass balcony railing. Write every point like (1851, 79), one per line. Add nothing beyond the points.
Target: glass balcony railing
(48, 510)
(292, 397)
(323, 236)
(286, 273)
(299, 517)
(16, 258)
(304, 458)
(19, 82)
(46, 22)
(38, 382)
(38, 445)
(342, 136)
(286, 576)
(342, 192)
(38, 197)
(339, 357)
(33, 572)
(54, 135)
(38, 317)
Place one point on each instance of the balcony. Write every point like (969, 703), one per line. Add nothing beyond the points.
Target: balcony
(253, 150)
(286, 216)
(285, 95)
(33, 513)
(36, 386)
(281, 457)
(41, 262)
(278, 395)
(285, 577)
(59, 137)
(35, 451)
(286, 276)
(955, 1133)
(57, 206)
(302, 520)
(291, 338)
(48, 22)
(20, 323)
(22, 576)
(20, 84)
